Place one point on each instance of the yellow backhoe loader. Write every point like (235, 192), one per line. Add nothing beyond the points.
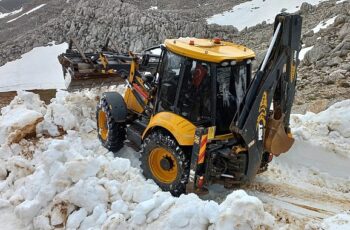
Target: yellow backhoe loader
(193, 108)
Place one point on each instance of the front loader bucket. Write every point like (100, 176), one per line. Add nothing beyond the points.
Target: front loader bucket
(277, 141)
(76, 82)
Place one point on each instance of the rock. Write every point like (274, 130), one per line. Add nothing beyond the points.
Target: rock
(309, 41)
(345, 66)
(343, 46)
(310, 33)
(344, 84)
(318, 105)
(316, 53)
(340, 19)
(335, 61)
(337, 75)
(344, 31)
(306, 8)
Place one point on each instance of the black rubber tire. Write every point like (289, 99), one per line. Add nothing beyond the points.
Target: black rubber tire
(116, 131)
(161, 138)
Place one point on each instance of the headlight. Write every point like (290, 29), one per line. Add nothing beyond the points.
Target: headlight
(224, 63)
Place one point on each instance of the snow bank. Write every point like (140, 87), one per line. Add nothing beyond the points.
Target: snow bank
(329, 129)
(30, 72)
(73, 182)
(253, 12)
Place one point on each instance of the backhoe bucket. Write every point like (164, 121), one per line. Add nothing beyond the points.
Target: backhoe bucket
(277, 140)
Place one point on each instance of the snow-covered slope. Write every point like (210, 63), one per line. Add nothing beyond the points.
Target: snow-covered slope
(72, 181)
(64, 178)
(37, 69)
(253, 12)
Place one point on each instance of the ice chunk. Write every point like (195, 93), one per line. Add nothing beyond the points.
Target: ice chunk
(82, 169)
(241, 211)
(119, 206)
(17, 123)
(75, 219)
(4, 203)
(27, 210)
(86, 194)
(96, 219)
(42, 222)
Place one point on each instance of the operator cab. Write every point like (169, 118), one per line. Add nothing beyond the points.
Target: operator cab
(203, 80)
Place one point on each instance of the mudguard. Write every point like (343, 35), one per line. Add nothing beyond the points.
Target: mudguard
(116, 101)
(182, 129)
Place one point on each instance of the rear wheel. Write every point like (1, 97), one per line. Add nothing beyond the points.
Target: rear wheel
(164, 161)
(110, 133)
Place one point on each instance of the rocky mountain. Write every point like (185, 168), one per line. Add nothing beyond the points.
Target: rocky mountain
(10, 5)
(135, 25)
(128, 26)
(324, 73)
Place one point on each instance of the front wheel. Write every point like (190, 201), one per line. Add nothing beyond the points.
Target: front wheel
(110, 133)
(164, 161)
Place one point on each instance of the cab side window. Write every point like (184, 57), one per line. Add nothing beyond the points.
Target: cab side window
(171, 67)
(194, 102)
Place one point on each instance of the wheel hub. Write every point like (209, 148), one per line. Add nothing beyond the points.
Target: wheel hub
(166, 163)
(163, 165)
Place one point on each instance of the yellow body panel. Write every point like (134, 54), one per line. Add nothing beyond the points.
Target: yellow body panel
(207, 50)
(223, 137)
(131, 102)
(182, 129)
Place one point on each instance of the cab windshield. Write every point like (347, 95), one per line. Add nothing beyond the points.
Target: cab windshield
(185, 87)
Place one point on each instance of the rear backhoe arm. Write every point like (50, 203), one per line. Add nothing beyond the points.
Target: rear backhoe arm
(265, 129)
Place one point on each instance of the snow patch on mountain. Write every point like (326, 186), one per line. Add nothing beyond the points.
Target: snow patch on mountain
(303, 52)
(253, 12)
(324, 24)
(26, 13)
(340, 1)
(3, 15)
(37, 69)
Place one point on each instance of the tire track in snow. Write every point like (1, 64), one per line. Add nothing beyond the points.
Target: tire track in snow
(295, 205)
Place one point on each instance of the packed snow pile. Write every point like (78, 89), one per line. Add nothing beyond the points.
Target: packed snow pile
(71, 181)
(329, 129)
